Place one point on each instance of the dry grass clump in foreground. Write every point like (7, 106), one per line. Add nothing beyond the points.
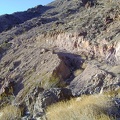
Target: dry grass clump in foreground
(10, 113)
(92, 107)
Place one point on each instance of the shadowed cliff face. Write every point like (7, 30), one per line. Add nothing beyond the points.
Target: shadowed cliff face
(68, 43)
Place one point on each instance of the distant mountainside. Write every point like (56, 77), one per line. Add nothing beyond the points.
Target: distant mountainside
(66, 49)
(8, 21)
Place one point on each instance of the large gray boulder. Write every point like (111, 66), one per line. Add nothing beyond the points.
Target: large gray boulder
(94, 80)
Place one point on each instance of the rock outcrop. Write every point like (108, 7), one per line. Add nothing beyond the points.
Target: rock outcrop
(94, 80)
(64, 49)
(39, 99)
(117, 54)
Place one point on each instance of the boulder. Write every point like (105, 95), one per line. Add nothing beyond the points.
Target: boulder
(117, 55)
(94, 80)
(54, 95)
(38, 100)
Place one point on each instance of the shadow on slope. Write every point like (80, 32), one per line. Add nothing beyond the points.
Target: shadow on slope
(74, 62)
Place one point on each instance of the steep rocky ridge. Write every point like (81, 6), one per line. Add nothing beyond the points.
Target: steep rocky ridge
(43, 47)
(8, 21)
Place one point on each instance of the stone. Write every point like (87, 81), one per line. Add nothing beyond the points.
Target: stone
(43, 50)
(117, 54)
(38, 99)
(93, 80)
(54, 95)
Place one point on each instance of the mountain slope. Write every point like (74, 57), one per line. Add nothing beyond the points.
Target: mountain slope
(69, 44)
(8, 21)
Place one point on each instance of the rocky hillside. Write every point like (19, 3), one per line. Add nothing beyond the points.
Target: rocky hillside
(52, 53)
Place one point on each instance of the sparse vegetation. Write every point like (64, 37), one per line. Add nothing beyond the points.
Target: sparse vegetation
(50, 82)
(10, 113)
(113, 93)
(77, 72)
(4, 46)
(94, 107)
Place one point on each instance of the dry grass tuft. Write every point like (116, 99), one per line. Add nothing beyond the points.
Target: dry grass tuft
(92, 107)
(49, 82)
(112, 93)
(78, 72)
(10, 113)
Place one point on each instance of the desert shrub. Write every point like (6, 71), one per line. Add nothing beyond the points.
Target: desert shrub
(50, 82)
(92, 107)
(10, 113)
(4, 46)
(78, 72)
